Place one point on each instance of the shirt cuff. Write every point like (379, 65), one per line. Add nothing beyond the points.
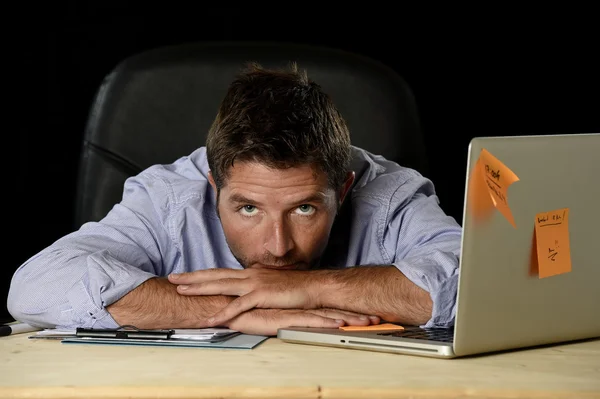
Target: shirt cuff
(106, 281)
(83, 312)
(439, 277)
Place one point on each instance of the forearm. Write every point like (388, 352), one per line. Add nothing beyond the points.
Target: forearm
(376, 290)
(156, 304)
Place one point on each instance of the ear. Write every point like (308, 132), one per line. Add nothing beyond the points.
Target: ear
(211, 180)
(346, 186)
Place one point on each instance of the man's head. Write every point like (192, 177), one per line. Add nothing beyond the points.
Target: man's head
(279, 155)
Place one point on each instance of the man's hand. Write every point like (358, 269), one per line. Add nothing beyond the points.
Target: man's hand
(156, 304)
(267, 321)
(371, 290)
(254, 288)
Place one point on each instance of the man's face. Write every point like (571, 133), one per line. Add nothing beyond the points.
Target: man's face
(277, 218)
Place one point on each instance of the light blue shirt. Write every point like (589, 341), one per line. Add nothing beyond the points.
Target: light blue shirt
(167, 222)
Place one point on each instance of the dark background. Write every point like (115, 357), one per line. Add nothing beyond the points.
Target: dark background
(474, 72)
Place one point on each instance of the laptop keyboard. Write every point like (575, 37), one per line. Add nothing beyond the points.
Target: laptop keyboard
(430, 334)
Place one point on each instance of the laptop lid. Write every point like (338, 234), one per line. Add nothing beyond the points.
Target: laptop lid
(511, 293)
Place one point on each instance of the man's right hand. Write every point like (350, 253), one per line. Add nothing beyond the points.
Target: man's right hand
(268, 321)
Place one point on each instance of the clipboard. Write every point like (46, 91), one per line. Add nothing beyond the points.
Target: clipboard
(239, 341)
(215, 338)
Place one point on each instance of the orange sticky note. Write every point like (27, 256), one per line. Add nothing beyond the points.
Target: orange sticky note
(375, 327)
(552, 242)
(488, 187)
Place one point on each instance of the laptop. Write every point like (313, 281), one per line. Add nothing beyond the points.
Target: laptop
(506, 299)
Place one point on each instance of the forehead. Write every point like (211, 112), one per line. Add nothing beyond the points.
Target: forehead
(256, 173)
(276, 188)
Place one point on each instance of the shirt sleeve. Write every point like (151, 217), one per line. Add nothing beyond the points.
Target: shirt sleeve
(70, 283)
(424, 244)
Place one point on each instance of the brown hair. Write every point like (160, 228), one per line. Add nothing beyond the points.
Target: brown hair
(279, 118)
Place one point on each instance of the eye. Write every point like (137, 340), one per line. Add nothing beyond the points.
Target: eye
(305, 210)
(248, 210)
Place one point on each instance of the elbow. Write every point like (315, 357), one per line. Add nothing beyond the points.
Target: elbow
(27, 307)
(14, 305)
(14, 308)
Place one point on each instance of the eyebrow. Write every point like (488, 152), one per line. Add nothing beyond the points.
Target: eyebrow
(241, 199)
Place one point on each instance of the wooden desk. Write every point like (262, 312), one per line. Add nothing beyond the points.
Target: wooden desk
(49, 369)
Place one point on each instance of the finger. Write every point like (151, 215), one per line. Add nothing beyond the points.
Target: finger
(269, 321)
(226, 286)
(346, 312)
(348, 318)
(313, 320)
(201, 276)
(235, 308)
(372, 318)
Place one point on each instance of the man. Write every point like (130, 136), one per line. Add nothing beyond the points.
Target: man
(277, 222)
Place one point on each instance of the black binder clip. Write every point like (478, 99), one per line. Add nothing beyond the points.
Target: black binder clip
(124, 332)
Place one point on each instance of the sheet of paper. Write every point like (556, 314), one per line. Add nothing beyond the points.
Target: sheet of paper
(488, 187)
(201, 333)
(197, 334)
(178, 331)
(374, 327)
(54, 331)
(552, 244)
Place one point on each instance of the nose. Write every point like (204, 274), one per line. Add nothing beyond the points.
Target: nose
(279, 239)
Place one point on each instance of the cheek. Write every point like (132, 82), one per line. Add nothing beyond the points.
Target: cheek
(313, 236)
(238, 233)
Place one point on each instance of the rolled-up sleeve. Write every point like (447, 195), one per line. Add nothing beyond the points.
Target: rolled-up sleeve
(424, 244)
(70, 283)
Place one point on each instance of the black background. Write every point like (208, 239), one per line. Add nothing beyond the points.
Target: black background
(474, 72)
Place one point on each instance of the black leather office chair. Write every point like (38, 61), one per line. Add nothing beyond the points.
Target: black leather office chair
(157, 106)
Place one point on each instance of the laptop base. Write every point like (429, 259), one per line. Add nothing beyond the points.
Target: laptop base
(366, 341)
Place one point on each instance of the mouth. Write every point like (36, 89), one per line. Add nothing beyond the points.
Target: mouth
(274, 267)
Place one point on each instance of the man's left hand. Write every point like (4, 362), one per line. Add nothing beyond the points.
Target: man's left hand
(255, 288)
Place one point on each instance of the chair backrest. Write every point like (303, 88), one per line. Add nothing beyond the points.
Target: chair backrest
(157, 106)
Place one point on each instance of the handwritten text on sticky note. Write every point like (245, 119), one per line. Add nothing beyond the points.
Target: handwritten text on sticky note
(552, 242)
(488, 187)
(498, 177)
